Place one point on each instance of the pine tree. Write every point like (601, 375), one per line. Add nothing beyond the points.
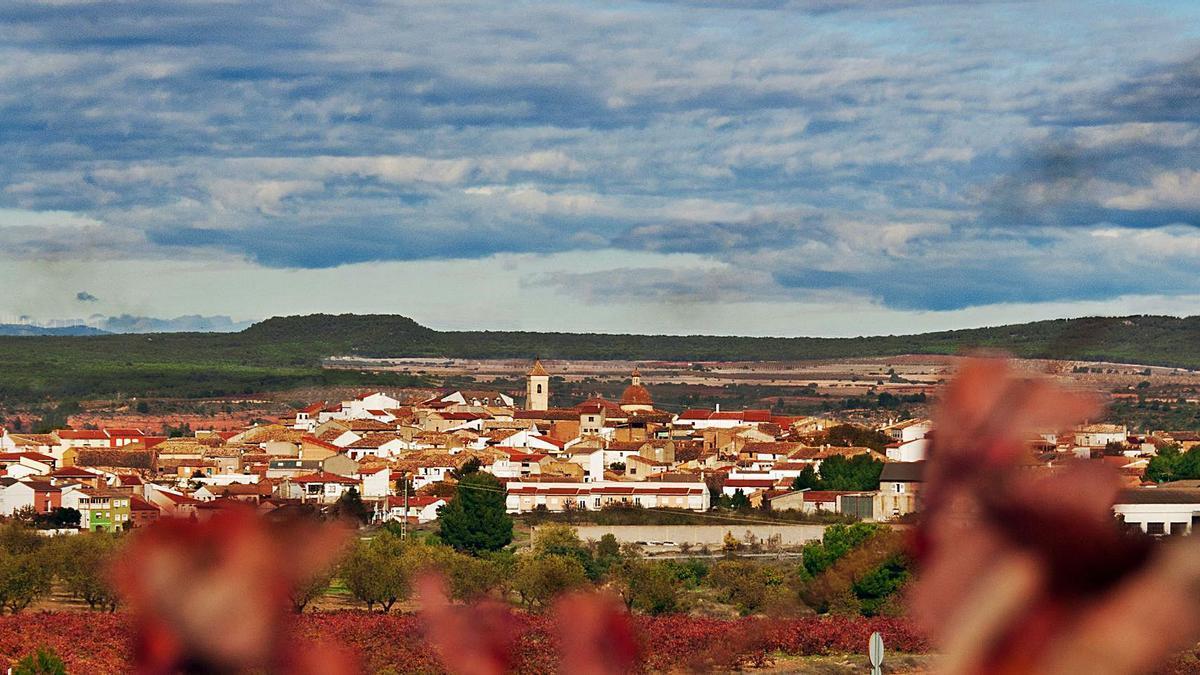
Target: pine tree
(475, 520)
(350, 506)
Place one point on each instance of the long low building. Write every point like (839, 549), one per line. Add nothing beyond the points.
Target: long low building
(1160, 511)
(525, 497)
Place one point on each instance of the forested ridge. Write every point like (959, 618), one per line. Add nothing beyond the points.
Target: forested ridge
(287, 351)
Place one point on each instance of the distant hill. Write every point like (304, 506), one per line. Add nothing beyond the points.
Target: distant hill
(287, 351)
(14, 329)
(1152, 340)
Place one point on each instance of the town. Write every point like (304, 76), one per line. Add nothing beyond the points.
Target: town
(400, 457)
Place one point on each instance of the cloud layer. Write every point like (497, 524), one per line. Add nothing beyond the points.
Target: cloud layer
(910, 155)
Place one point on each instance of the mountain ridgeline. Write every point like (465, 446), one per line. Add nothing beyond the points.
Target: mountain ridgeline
(286, 352)
(1151, 340)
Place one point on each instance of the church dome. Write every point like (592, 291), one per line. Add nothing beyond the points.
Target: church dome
(636, 394)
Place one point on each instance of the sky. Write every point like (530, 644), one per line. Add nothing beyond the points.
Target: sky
(755, 167)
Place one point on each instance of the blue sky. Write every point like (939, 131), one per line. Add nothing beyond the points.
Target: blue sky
(807, 167)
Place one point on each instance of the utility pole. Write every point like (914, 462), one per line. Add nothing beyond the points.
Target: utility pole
(404, 520)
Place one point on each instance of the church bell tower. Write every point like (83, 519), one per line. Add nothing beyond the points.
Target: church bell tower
(537, 388)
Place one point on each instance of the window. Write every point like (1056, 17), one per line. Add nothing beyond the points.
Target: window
(1156, 528)
(539, 389)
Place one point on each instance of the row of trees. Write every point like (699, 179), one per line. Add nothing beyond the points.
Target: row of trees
(30, 564)
(855, 569)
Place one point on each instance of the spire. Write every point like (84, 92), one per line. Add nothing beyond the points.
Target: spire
(636, 376)
(538, 370)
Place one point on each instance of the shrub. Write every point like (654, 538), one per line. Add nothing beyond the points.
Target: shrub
(745, 585)
(42, 662)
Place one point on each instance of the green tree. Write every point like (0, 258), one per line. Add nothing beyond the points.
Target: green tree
(557, 539)
(376, 571)
(850, 434)
(469, 467)
(1172, 464)
(539, 579)
(651, 587)
(82, 563)
(24, 578)
(17, 538)
(350, 507)
(739, 500)
(57, 518)
(476, 520)
(837, 541)
(874, 588)
(307, 590)
(746, 585)
(860, 472)
(807, 480)
(608, 547)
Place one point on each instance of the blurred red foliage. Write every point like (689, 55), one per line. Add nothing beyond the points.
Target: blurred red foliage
(103, 643)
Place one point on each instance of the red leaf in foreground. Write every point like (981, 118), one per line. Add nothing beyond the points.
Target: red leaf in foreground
(213, 595)
(1024, 568)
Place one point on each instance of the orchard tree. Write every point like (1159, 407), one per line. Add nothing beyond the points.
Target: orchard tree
(24, 578)
(377, 572)
(83, 562)
(476, 520)
(650, 587)
(540, 579)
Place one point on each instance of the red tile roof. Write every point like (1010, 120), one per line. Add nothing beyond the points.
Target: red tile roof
(81, 435)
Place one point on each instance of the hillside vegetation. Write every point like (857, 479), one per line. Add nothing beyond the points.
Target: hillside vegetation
(286, 352)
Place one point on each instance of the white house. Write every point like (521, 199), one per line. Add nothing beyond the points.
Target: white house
(346, 439)
(908, 430)
(716, 419)
(525, 497)
(379, 445)
(1100, 435)
(530, 439)
(424, 509)
(518, 465)
(433, 471)
(1159, 511)
(323, 488)
(25, 464)
(479, 399)
(376, 484)
(368, 405)
(592, 461)
(908, 451)
(308, 418)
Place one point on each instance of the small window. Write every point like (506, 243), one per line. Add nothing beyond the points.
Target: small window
(1156, 528)
(539, 389)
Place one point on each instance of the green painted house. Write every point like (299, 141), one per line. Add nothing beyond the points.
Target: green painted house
(105, 510)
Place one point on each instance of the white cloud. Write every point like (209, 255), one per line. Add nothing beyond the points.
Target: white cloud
(1168, 190)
